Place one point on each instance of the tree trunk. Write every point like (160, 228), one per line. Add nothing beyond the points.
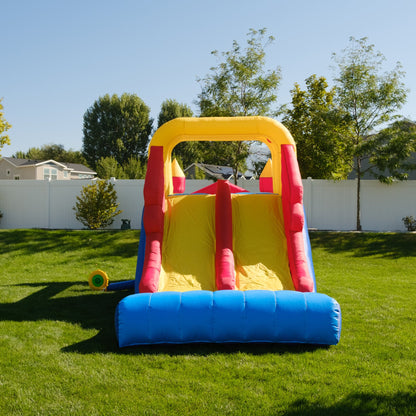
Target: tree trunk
(358, 194)
(235, 176)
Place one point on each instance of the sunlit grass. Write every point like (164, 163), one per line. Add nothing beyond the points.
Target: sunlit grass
(58, 351)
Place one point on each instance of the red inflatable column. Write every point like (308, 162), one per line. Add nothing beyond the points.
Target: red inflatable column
(153, 220)
(224, 257)
(292, 201)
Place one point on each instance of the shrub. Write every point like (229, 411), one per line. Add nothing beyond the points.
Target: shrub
(97, 205)
(410, 223)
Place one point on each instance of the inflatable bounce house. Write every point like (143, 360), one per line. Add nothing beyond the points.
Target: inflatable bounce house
(222, 264)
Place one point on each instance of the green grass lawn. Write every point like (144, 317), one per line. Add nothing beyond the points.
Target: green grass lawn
(58, 351)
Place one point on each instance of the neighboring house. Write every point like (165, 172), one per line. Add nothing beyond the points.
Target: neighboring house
(12, 168)
(406, 124)
(214, 172)
(368, 176)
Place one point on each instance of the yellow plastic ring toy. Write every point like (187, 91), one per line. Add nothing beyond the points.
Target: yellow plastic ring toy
(98, 280)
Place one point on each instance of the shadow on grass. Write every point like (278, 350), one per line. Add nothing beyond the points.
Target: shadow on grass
(95, 310)
(363, 404)
(388, 245)
(91, 310)
(205, 349)
(109, 243)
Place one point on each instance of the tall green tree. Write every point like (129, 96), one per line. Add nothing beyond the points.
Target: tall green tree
(116, 127)
(171, 109)
(318, 128)
(186, 152)
(4, 126)
(238, 86)
(370, 97)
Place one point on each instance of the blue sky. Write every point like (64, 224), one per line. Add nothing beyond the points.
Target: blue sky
(57, 56)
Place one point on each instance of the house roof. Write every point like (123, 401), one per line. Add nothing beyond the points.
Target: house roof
(75, 167)
(21, 162)
(78, 167)
(219, 172)
(224, 171)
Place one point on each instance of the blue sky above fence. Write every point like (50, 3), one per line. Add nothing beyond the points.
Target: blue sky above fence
(58, 57)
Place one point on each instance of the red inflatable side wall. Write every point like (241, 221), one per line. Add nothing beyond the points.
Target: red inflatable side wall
(224, 256)
(292, 201)
(153, 220)
(266, 184)
(178, 184)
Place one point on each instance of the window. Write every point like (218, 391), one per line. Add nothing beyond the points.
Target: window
(16, 177)
(65, 174)
(8, 172)
(50, 174)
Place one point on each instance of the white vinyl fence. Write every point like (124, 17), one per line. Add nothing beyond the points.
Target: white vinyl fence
(329, 205)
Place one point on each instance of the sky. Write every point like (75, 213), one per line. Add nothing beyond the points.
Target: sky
(57, 57)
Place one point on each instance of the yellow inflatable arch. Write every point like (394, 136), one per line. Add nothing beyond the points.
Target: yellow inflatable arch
(263, 129)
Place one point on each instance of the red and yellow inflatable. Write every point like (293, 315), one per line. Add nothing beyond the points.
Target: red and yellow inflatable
(222, 257)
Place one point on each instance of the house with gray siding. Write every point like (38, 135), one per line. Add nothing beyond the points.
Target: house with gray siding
(20, 169)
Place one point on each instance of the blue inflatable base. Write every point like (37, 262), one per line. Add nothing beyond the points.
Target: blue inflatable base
(228, 316)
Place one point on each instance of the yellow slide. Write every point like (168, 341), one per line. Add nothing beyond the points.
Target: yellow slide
(188, 254)
(259, 243)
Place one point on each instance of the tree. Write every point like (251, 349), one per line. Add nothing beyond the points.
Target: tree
(318, 127)
(116, 127)
(74, 156)
(20, 155)
(134, 169)
(186, 152)
(97, 205)
(238, 86)
(4, 126)
(259, 155)
(258, 166)
(369, 97)
(393, 152)
(233, 154)
(56, 152)
(171, 109)
(108, 167)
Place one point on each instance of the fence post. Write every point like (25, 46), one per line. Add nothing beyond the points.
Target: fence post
(307, 199)
(49, 203)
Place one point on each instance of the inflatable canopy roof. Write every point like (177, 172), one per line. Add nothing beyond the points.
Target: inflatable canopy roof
(223, 264)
